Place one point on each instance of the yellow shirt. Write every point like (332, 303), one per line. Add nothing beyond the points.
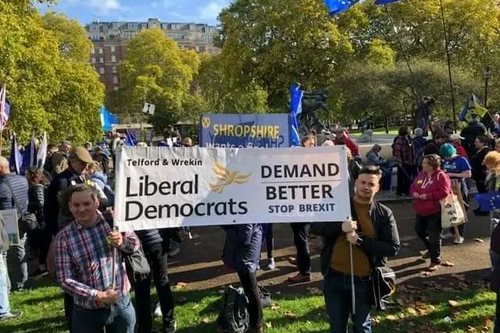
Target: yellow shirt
(340, 260)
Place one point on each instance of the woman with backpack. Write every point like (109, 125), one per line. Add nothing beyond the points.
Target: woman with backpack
(242, 253)
(40, 238)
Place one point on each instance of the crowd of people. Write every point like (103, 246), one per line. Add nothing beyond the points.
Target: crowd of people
(72, 198)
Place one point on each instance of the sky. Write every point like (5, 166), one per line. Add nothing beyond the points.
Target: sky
(86, 11)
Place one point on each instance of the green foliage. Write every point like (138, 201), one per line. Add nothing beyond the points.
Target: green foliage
(384, 92)
(50, 87)
(276, 42)
(157, 71)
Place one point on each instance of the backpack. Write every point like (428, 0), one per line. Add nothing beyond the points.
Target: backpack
(233, 317)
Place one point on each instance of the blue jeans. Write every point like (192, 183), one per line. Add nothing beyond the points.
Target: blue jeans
(4, 294)
(18, 264)
(338, 299)
(118, 319)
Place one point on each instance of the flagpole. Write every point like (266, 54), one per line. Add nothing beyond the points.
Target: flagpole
(448, 58)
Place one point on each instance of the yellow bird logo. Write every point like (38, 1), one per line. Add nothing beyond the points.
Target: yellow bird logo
(227, 178)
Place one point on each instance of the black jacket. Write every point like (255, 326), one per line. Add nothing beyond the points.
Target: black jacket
(385, 244)
(36, 200)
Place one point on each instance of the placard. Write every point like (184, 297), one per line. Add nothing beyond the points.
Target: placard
(160, 187)
(11, 224)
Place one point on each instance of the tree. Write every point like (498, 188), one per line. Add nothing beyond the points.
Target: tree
(384, 92)
(155, 70)
(276, 42)
(41, 75)
(224, 93)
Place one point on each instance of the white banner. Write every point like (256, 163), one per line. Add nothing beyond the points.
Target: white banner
(160, 187)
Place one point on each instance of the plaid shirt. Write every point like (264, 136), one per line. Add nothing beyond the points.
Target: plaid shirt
(84, 261)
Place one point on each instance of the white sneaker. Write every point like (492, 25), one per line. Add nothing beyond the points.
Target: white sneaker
(458, 240)
(447, 235)
(158, 310)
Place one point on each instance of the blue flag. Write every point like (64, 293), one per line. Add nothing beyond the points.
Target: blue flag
(16, 158)
(130, 139)
(386, 2)
(107, 119)
(295, 109)
(488, 201)
(29, 157)
(338, 6)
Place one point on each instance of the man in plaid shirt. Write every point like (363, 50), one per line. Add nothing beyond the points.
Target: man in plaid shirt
(84, 267)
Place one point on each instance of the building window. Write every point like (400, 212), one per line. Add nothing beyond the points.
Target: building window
(115, 69)
(113, 58)
(100, 51)
(101, 70)
(207, 39)
(115, 79)
(101, 60)
(112, 49)
(197, 48)
(93, 60)
(92, 51)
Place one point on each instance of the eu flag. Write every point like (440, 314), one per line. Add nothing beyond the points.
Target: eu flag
(16, 158)
(386, 2)
(488, 201)
(338, 6)
(130, 139)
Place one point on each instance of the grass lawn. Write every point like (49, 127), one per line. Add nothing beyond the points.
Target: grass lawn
(469, 309)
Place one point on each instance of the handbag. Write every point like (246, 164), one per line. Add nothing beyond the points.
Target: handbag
(452, 213)
(383, 286)
(27, 221)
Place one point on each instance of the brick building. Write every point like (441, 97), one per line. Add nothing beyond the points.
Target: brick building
(110, 42)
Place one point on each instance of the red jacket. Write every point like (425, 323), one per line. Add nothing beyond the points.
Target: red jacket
(436, 187)
(460, 150)
(353, 147)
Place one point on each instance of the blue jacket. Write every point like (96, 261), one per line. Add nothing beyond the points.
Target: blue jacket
(100, 179)
(242, 247)
(20, 187)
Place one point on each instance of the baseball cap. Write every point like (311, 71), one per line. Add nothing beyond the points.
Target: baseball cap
(456, 137)
(81, 154)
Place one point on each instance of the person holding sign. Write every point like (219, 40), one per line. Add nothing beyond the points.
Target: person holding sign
(89, 270)
(373, 236)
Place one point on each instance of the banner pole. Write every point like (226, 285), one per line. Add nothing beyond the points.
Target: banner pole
(448, 59)
(353, 291)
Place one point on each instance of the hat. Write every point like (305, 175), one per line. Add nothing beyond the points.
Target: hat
(454, 137)
(81, 154)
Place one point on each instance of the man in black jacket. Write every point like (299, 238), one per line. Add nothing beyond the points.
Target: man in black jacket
(373, 237)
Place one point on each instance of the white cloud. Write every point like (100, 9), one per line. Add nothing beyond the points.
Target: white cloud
(212, 10)
(106, 6)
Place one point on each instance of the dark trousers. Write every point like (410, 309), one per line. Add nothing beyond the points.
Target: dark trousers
(249, 284)
(157, 257)
(430, 227)
(45, 240)
(269, 241)
(405, 176)
(481, 186)
(301, 241)
(68, 310)
(338, 300)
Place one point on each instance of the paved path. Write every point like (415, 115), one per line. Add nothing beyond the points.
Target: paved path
(200, 266)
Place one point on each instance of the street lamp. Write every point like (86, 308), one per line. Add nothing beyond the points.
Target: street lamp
(486, 77)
